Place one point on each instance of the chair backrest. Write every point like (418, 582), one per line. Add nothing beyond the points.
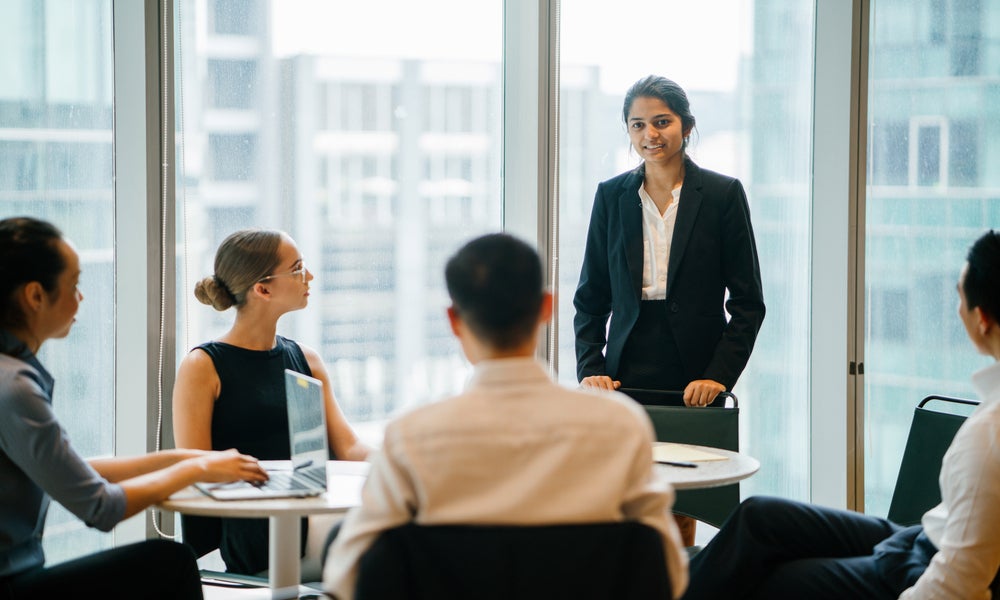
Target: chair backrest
(931, 432)
(648, 397)
(717, 426)
(596, 560)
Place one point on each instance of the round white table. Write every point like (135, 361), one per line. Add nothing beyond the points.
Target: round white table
(709, 473)
(344, 481)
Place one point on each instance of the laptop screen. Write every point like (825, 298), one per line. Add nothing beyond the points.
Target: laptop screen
(306, 420)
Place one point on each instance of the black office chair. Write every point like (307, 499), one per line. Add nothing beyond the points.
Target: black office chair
(716, 425)
(931, 432)
(623, 560)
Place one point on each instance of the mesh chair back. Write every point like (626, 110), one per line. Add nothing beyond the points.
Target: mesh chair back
(931, 432)
(717, 425)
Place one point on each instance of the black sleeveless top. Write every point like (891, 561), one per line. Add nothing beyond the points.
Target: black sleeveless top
(250, 415)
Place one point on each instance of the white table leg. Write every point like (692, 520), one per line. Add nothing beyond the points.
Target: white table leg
(285, 567)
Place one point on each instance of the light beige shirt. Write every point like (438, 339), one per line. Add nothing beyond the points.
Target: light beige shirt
(657, 235)
(965, 527)
(515, 448)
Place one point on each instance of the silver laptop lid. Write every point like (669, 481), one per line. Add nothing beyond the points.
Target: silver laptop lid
(306, 421)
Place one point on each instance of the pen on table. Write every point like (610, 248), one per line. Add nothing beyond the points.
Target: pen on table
(679, 463)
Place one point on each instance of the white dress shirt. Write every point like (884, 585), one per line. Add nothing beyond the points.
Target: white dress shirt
(965, 527)
(515, 448)
(657, 235)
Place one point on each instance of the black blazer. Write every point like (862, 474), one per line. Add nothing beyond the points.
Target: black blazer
(713, 250)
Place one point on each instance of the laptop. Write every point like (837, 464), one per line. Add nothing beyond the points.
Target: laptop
(305, 474)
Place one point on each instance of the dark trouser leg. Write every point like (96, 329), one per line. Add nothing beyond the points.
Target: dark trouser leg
(765, 533)
(155, 569)
(856, 578)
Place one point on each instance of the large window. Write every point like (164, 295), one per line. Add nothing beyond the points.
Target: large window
(750, 85)
(56, 164)
(370, 132)
(931, 193)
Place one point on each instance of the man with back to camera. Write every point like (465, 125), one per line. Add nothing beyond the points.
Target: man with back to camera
(776, 548)
(515, 448)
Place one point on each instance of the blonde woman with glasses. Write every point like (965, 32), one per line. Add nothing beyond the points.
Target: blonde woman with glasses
(230, 392)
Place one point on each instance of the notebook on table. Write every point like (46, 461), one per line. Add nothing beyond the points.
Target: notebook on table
(306, 472)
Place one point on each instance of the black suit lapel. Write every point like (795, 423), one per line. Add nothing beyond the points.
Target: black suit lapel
(630, 207)
(687, 214)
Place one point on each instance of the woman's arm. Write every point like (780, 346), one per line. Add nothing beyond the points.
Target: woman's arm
(343, 441)
(195, 391)
(117, 469)
(741, 276)
(183, 468)
(35, 443)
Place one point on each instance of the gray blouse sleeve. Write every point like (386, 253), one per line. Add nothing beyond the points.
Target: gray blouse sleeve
(35, 442)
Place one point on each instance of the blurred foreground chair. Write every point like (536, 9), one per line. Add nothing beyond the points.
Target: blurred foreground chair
(716, 425)
(931, 432)
(621, 560)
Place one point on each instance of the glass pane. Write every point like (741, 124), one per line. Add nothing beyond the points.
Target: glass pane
(375, 143)
(56, 116)
(750, 85)
(930, 195)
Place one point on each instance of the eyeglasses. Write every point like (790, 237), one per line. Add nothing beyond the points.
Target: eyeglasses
(300, 273)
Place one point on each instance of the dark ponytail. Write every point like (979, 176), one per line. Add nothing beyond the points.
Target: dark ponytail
(28, 252)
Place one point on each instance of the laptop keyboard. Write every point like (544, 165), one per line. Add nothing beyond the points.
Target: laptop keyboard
(292, 480)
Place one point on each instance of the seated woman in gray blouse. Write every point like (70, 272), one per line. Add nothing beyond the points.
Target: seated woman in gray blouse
(39, 297)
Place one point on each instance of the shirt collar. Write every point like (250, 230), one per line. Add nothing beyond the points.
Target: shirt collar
(11, 345)
(987, 383)
(503, 371)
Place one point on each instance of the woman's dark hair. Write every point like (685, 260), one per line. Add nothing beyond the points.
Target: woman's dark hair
(982, 279)
(29, 251)
(243, 258)
(665, 90)
(495, 284)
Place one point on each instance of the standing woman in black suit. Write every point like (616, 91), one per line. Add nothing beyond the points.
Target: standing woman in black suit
(667, 240)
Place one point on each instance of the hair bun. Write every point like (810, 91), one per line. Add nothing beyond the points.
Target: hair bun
(213, 292)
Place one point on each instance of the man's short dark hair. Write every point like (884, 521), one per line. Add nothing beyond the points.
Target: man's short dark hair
(982, 279)
(495, 284)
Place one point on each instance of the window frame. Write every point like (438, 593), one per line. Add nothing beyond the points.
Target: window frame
(141, 55)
